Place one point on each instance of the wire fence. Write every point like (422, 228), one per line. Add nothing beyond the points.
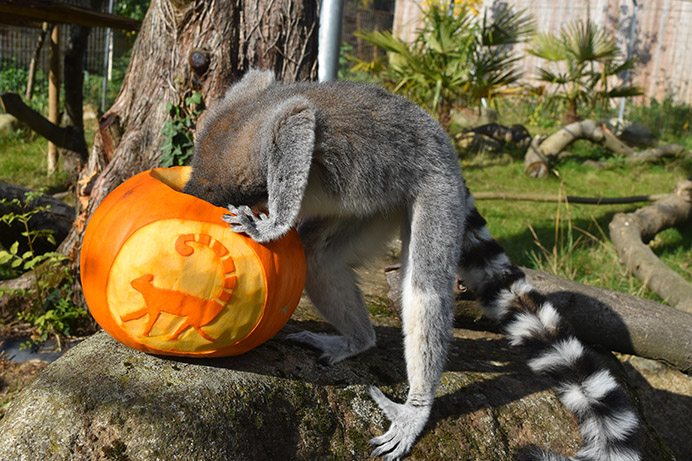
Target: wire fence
(18, 44)
(662, 45)
(359, 19)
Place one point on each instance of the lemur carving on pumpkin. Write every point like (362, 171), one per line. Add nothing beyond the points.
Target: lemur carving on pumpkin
(196, 311)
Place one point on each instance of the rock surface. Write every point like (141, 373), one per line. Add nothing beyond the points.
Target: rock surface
(102, 400)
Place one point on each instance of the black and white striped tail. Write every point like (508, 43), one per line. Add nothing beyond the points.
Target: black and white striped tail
(608, 423)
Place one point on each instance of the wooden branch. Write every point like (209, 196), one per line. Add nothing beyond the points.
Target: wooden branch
(657, 153)
(45, 27)
(20, 21)
(616, 321)
(621, 322)
(516, 134)
(568, 198)
(540, 154)
(59, 13)
(66, 137)
(632, 231)
(536, 162)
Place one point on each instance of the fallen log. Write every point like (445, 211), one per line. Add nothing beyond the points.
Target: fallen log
(58, 218)
(630, 233)
(542, 152)
(610, 319)
(655, 154)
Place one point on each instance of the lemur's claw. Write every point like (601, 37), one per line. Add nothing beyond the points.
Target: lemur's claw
(241, 219)
(244, 221)
(407, 420)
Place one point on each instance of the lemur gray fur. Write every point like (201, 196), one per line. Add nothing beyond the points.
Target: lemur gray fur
(349, 164)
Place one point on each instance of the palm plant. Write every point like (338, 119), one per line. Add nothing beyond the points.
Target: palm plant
(455, 59)
(584, 61)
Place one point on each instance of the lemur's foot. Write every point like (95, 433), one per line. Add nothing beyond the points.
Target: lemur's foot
(334, 348)
(407, 420)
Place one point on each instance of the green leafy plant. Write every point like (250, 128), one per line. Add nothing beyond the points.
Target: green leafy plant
(51, 313)
(57, 316)
(135, 9)
(583, 64)
(455, 59)
(93, 83)
(14, 77)
(179, 131)
(668, 119)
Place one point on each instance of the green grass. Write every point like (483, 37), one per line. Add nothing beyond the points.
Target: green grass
(571, 240)
(23, 162)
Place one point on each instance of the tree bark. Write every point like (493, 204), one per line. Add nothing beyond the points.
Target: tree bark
(182, 47)
(616, 321)
(631, 232)
(621, 322)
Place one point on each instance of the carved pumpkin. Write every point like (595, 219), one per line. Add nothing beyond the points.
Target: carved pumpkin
(162, 272)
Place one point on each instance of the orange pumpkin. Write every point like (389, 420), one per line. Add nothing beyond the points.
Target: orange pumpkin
(163, 273)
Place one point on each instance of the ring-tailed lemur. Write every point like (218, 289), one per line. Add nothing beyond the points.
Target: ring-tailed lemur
(349, 164)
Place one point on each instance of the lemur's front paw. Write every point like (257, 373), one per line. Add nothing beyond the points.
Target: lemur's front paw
(407, 420)
(244, 221)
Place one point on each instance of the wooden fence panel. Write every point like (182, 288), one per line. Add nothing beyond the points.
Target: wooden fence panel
(663, 36)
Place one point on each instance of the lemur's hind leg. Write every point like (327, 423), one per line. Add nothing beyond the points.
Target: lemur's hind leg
(429, 263)
(333, 247)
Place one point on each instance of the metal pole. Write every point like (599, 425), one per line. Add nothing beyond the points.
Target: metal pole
(329, 39)
(629, 56)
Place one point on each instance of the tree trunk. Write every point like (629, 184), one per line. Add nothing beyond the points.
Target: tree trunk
(74, 88)
(186, 46)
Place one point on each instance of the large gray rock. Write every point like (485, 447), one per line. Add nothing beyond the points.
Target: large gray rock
(102, 400)
(105, 401)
